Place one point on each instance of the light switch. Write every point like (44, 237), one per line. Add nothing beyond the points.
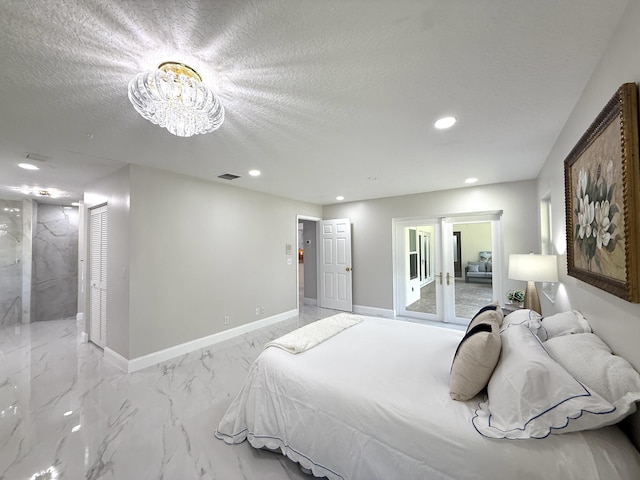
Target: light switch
(289, 261)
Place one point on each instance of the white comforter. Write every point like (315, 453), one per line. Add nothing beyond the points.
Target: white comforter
(373, 402)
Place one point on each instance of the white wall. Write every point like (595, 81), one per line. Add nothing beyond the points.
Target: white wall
(183, 253)
(372, 229)
(202, 250)
(617, 321)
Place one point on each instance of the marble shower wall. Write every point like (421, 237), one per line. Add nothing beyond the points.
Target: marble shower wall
(10, 262)
(54, 292)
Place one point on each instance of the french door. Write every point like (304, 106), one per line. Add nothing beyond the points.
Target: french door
(427, 285)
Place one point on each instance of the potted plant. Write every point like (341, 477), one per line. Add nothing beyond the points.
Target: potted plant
(516, 297)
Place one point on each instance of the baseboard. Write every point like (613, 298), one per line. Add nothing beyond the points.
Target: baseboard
(116, 359)
(84, 336)
(310, 301)
(373, 311)
(154, 358)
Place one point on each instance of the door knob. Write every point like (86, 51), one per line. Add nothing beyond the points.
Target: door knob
(348, 269)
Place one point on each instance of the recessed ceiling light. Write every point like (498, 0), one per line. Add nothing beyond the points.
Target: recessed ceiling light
(339, 198)
(254, 173)
(76, 428)
(28, 166)
(68, 412)
(445, 122)
(471, 180)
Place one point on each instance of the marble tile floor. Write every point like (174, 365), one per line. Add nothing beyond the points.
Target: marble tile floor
(65, 413)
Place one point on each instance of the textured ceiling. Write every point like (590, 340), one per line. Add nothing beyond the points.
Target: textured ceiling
(326, 98)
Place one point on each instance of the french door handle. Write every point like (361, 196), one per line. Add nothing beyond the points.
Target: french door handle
(440, 277)
(448, 278)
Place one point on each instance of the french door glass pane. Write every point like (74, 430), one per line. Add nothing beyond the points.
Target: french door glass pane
(473, 290)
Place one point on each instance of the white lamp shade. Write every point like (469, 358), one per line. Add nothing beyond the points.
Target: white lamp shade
(533, 268)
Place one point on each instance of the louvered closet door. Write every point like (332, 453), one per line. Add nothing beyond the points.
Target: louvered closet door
(98, 275)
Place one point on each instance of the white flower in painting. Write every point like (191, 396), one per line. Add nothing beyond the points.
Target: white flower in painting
(586, 214)
(582, 183)
(602, 224)
(610, 169)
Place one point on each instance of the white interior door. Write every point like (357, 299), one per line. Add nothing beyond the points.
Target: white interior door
(98, 276)
(335, 264)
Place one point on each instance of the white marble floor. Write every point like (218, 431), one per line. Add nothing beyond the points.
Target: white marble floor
(65, 413)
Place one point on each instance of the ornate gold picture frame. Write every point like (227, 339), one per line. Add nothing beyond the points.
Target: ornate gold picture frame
(602, 197)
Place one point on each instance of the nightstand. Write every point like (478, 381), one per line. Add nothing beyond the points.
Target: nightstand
(510, 307)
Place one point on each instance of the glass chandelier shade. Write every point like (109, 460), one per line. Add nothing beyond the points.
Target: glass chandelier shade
(174, 97)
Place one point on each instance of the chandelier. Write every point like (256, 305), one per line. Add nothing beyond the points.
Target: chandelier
(174, 97)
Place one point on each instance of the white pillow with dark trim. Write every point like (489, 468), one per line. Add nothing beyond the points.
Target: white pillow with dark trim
(591, 362)
(477, 355)
(565, 323)
(526, 317)
(530, 395)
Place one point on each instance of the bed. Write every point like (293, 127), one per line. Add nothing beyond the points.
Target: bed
(373, 402)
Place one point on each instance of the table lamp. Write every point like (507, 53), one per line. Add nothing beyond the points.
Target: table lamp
(533, 268)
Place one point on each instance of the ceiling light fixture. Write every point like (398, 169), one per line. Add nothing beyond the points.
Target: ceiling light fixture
(36, 191)
(28, 166)
(471, 180)
(174, 97)
(445, 122)
(254, 173)
(339, 198)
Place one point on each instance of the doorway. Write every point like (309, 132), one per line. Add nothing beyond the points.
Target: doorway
(324, 274)
(307, 261)
(443, 290)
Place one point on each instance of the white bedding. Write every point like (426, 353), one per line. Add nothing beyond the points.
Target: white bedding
(373, 402)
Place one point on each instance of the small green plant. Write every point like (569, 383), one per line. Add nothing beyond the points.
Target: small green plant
(515, 296)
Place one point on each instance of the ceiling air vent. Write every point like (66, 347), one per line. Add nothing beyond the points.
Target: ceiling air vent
(37, 157)
(228, 176)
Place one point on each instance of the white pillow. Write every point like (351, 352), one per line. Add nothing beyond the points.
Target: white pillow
(526, 317)
(530, 395)
(565, 323)
(590, 361)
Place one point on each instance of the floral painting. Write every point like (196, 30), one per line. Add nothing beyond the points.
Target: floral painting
(602, 228)
(599, 227)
